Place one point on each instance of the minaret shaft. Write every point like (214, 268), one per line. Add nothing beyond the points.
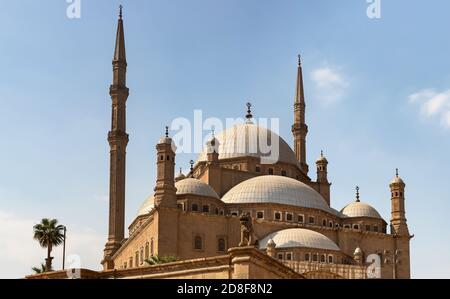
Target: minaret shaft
(118, 140)
(299, 128)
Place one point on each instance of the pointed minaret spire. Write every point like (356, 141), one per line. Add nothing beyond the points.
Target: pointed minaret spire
(300, 129)
(119, 53)
(118, 141)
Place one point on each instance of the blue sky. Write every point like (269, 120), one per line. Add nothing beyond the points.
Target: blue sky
(378, 96)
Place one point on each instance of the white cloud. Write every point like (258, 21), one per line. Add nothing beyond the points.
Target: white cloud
(330, 84)
(433, 104)
(19, 252)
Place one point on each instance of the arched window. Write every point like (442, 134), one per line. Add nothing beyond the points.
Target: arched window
(283, 173)
(260, 215)
(324, 222)
(307, 257)
(205, 209)
(147, 250)
(198, 244)
(221, 245)
(217, 211)
(330, 259)
(323, 258)
(222, 212)
(271, 171)
(315, 257)
(136, 259)
(141, 256)
(330, 224)
(131, 262)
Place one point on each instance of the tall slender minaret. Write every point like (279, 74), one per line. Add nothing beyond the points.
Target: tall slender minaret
(118, 140)
(299, 128)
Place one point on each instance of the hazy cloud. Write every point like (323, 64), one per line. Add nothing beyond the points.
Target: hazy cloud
(433, 104)
(330, 84)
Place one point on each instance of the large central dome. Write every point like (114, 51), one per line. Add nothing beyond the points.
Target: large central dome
(278, 190)
(248, 139)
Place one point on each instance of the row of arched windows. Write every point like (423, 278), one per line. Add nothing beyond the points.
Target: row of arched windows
(140, 255)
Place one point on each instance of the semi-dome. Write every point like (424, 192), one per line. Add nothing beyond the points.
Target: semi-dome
(300, 238)
(243, 140)
(185, 186)
(277, 190)
(146, 206)
(360, 209)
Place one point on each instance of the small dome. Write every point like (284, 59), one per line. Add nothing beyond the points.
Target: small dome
(278, 190)
(397, 180)
(360, 209)
(244, 140)
(299, 237)
(165, 140)
(322, 159)
(195, 187)
(186, 186)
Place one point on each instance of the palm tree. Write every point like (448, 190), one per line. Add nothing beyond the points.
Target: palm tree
(49, 234)
(157, 260)
(38, 270)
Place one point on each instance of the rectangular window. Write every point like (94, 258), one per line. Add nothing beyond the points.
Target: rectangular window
(277, 216)
(289, 216)
(330, 259)
(260, 215)
(355, 226)
(205, 209)
(368, 228)
(375, 228)
(280, 256)
(271, 171)
(195, 207)
(315, 257)
(283, 173)
(258, 169)
(346, 225)
(289, 256)
(324, 222)
(311, 220)
(323, 258)
(307, 257)
(234, 213)
(301, 219)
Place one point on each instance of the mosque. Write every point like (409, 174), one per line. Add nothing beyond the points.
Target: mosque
(232, 216)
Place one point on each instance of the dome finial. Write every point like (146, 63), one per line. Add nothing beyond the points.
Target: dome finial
(299, 59)
(167, 131)
(396, 172)
(321, 153)
(249, 115)
(192, 165)
(120, 11)
(357, 194)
